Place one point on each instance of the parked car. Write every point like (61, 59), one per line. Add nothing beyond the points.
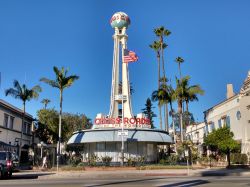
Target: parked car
(6, 163)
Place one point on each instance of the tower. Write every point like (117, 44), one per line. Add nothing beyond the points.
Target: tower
(120, 112)
(120, 93)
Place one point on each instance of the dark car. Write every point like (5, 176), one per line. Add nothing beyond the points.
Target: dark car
(6, 164)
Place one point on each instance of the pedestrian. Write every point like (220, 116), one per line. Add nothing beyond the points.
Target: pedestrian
(45, 165)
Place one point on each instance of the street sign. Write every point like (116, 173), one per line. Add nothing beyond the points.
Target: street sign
(123, 133)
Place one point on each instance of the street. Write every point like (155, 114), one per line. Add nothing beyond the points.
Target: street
(46, 179)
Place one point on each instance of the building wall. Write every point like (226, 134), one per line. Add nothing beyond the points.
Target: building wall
(234, 112)
(11, 123)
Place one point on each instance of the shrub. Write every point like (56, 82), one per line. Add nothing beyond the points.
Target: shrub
(75, 160)
(238, 158)
(131, 161)
(106, 160)
(171, 160)
(93, 159)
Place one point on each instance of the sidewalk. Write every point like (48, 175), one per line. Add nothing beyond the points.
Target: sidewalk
(135, 173)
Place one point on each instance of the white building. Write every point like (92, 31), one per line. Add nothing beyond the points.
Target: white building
(11, 126)
(233, 112)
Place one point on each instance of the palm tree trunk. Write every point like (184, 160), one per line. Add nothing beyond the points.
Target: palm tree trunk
(186, 105)
(179, 65)
(180, 118)
(164, 76)
(159, 75)
(166, 118)
(160, 116)
(60, 129)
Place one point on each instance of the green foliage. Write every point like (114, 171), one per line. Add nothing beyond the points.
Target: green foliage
(136, 161)
(48, 124)
(222, 140)
(93, 159)
(169, 160)
(106, 160)
(22, 92)
(238, 158)
(149, 112)
(75, 160)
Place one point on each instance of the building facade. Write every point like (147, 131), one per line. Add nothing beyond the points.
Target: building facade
(234, 112)
(11, 128)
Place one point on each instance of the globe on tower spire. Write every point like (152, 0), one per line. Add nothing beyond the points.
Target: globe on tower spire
(120, 20)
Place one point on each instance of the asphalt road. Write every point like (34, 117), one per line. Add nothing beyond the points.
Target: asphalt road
(160, 181)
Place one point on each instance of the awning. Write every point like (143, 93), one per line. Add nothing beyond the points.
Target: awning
(111, 135)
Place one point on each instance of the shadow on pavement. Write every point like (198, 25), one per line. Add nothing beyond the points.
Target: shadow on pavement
(187, 183)
(28, 175)
(225, 172)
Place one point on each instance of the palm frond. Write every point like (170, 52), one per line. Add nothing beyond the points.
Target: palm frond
(12, 92)
(50, 82)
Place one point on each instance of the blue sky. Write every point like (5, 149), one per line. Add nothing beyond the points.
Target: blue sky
(212, 36)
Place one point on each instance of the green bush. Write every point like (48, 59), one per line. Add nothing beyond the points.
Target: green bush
(238, 158)
(93, 159)
(171, 160)
(131, 161)
(136, 161)
(75, 160)
(106, 160)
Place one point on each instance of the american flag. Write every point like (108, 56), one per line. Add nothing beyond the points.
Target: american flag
(129, 56)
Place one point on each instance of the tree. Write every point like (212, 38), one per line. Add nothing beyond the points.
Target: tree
(148, 112)
(48, 125)
(179, 60)
(61, 82)
(45, 102)
(191, 94)
(162, 32)
(156, 46)
(23, 93)
(222, 140)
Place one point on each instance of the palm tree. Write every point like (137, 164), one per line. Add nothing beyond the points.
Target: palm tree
(156, 46)
(61, 82)
(190, 94)
(179, 95)
(23, 93)
(164, 95)
(179, 60)
(45, 102)
(185, 93)
(161, 32)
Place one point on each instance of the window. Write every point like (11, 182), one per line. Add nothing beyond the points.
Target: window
(228, 121)
(219, 123)
(211, 126)
(24, 127)
(238, 115)
(11, 122)
(6, 120)
(28, 128)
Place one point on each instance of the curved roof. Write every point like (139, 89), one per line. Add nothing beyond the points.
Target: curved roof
(111, 135)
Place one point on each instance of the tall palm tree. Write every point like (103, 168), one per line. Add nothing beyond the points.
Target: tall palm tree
(23, 93)
(179, 60)
(191, 94)
(61, 82)
(45, 102)
(156, 46)
(164, 95)
(185, 93)
(179, 95)
(162, 32)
